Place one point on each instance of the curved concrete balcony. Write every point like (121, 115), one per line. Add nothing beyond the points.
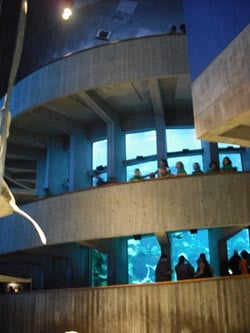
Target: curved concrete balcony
(143, 207)
(138, 58)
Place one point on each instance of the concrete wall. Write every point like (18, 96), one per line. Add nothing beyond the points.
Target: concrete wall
(217, 305)
(177, 203)
(221, 95)
(116, 62)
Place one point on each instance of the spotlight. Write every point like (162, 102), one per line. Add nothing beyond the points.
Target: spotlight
(67, 9)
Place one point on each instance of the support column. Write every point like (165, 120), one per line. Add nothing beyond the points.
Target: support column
(160, 125)
(246, 159)
(116, 152)
(116, 138)
(41, 175)
(210, 154)
(79, 162)
(58, 166)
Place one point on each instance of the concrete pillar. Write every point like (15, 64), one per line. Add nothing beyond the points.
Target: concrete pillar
(210, 153)
(118, 262)
(80, 266)
(79, 162)
(116, 152)
(214, 236)
(161, 142)
(58, 166)
(246, 159)
(41, 183)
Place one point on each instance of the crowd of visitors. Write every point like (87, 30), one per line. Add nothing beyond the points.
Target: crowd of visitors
(237, 264)
(164, 169)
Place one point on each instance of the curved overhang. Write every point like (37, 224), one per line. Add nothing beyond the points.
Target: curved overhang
(151, 206)
(147, 57)
(221, 95)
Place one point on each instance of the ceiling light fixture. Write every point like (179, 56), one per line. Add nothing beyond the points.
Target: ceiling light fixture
(67, 9)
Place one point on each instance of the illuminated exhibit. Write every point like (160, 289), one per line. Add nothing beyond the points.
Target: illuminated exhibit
(137, 181)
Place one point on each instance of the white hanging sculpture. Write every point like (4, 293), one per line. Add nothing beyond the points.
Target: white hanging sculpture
(7, 200)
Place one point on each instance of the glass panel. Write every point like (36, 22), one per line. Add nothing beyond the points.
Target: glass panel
(179, 139)
(104, 177)
(226, 145)
(99, 153)
(189, 245)
(99, 268)
(238, 242)
(143, 256)
(188, 162)
(140, 144)
(234, 157)
(145, 168)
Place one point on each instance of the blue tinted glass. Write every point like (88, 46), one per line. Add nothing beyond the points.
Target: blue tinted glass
(143, 256)
(104, 177)
(99, 153)
(145, 168)
(234, 157)
(178, 139)
(140, 144)
(188, 162)
(238, 242)
(225, 145)
(189, 245)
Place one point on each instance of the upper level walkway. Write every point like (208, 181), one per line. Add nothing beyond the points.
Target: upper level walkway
(124, 209)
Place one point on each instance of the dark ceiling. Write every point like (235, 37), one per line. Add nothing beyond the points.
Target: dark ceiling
(32, 131)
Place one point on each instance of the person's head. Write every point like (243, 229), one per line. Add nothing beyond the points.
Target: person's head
(196, 166)
(163, 163)
(173, 29)
(203, 257)
(152, 175)
(213, 165)
(137, 172)
(181, 259)
(226, 161)
(179, 165)
(244, 254)
(236, 253)
(183, 28)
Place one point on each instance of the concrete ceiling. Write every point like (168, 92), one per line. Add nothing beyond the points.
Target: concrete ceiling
(134, 103)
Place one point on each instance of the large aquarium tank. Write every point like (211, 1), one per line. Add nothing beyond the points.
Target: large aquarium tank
(239, 242)
(144, 253)
(189, 243)
(99, 268)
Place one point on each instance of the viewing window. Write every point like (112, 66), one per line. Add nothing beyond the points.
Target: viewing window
(140, 144)
(183, 146)
(143, 256)
(99, 153)
(233, 152)
(182, 138)
(99, 268)
(190, 245)
(239, 242)
(188, 162)
(145, 168)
